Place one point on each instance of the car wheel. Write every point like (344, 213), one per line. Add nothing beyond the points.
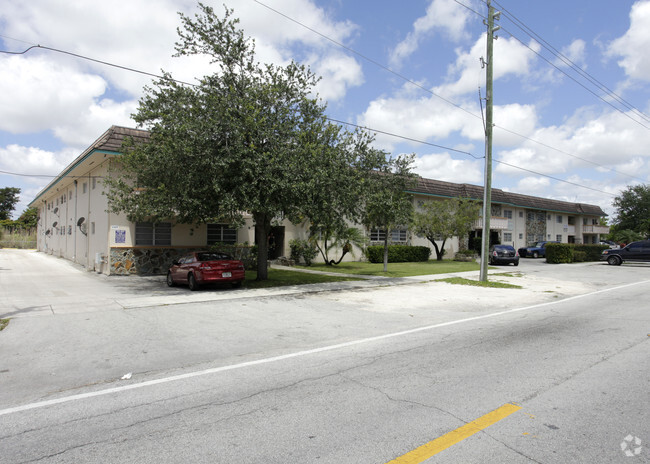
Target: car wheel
(191, 281)
(614, 260)
(516, 263)
(170, 281)
(535, 254)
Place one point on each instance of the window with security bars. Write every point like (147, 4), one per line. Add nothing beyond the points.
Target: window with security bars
(148, 233)
(221, 233)
(396, 235)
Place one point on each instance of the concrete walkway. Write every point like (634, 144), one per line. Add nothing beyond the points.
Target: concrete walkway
(37, 284)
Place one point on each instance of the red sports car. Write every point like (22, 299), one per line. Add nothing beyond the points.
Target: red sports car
(206, 267)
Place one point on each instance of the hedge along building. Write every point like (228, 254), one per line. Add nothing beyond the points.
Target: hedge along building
(74, 222)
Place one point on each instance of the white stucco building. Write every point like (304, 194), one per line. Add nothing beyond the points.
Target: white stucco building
(74, 222)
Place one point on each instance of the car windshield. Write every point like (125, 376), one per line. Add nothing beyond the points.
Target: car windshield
(539, 244)
(504, 248)
(212, 256)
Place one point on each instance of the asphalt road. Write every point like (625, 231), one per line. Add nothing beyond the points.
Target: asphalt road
(337, 375)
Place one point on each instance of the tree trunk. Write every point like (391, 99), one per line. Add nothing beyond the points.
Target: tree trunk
(386, 252)
(262, 231)
(440, 250)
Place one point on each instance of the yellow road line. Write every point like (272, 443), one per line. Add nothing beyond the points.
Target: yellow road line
(432, 448)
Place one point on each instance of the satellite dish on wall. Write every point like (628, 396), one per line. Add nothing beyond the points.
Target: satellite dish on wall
(55, 224)
(80, 221)
(56, 210)
(48, 232)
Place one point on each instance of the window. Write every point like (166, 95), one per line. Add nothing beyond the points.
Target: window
(558, 219)
(84, 187)
(521, 214)
(396, 235)
(92, 228)
(94, 183)
(69, 195)
(507, 237)
(558, 238)
(221, 233)
(521, 236)
(148, 233)
(507, 213)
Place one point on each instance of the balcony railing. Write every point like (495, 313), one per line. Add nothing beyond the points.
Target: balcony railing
(496, 223)
(595, 229)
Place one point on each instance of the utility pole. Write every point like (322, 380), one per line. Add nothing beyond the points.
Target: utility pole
(489, 101)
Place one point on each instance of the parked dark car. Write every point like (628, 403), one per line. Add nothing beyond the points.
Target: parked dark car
(200, 268)
(536, 251)
(503, 254)
(634, 252)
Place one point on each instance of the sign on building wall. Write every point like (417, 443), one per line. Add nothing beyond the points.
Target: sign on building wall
(120, 236)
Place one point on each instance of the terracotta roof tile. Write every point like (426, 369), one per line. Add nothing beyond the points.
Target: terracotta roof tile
(451, 190)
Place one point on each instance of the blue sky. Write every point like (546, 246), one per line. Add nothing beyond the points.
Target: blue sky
(572, 145)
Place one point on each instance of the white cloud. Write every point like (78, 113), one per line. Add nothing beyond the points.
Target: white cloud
(41, 94)
(444, 15)
(420, 119)
(632, 47)
(466, 75)
(339, 72)
(443, 167)
(575, 52)
(606, 142)
(38, 92)
(531, 185)
(35, 161)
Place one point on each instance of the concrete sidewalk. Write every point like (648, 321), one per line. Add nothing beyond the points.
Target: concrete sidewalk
(37, 284)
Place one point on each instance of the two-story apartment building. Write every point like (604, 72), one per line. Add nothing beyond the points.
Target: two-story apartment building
(74, 222)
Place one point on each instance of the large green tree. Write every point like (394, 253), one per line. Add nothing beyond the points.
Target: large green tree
(440, 220)
(386, 202)
(335, 195)
(633, 210)
(8, 200)
(247, 138)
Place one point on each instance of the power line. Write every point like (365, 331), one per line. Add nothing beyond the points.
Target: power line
(106, 63)
(473, 156)
(593, 80)
(575, 80)
(331, 119)
(370, 60)
(386, 68)
(405, 138)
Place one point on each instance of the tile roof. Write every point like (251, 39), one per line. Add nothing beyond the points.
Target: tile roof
(112, 139)
(450, 190)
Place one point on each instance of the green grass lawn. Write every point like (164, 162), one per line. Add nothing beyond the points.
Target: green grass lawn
(396, 269)
(282, 278)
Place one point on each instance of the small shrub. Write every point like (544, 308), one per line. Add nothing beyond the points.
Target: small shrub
(579, 256)
(466, 252)
(592, 252)
(398, 253)
(302, 249)
(570, 253)
(557, 253)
